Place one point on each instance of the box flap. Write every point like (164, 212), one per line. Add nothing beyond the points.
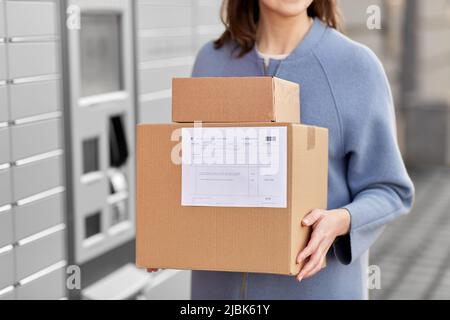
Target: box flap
(286, 101)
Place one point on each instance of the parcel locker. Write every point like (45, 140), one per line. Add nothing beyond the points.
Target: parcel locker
(50, 249)
(5, 156)
(37, 177)
(101, 110)
(36, 98)
(38, 216)
(4, 110)
(32, 59)
(31, 18)
(51, 286)
(35, 138)
(32, 204)
(6, 227)
(6, 267)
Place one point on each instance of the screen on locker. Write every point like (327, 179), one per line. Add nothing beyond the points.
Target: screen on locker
(101, 53)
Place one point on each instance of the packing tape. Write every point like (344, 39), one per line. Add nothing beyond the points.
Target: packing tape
(311, 139)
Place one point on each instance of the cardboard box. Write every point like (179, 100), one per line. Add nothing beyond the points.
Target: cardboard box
(244, 99)
(263, 240)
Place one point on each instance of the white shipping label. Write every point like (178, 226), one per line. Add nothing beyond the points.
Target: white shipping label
(234, 167)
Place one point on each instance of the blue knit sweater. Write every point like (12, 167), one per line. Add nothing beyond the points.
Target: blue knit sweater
(343, 88)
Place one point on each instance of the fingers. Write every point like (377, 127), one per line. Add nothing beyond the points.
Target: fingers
(151, 270)
(312, 263)
(312, 246)
(313, 217)
(315, 263)
(317, 268)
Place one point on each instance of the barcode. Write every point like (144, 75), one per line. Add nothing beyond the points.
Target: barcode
(271, 139)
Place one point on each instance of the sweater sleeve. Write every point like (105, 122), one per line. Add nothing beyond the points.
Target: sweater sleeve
(380, 187)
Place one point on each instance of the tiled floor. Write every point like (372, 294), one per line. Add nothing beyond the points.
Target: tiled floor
(414, 252)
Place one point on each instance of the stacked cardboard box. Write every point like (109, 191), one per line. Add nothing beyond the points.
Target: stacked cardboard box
(222, 216)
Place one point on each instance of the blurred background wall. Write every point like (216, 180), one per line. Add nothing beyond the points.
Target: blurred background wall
(69, 100)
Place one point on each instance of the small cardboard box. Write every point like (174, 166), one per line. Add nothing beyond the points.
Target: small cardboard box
(263, 240)
(244, 99)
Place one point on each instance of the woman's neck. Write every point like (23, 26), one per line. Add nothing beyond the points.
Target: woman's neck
(279, 35)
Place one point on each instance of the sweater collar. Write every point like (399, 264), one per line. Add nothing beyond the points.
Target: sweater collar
(311, 39)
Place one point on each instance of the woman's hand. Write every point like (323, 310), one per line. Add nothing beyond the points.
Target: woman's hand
(151, 270)
(327, 226)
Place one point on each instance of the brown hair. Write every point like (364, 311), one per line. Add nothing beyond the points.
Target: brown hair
(241, 17)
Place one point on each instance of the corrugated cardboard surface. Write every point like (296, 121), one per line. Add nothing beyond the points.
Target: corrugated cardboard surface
(265, 240)
(242, 99)
(286, 95)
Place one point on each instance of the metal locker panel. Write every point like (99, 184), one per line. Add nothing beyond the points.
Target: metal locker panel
(157, 79)
(36, 98)
(48, 287)
(2, 18)
(5, 156)
(38, 216)
(31, 18)
(32, 59)
(35, 138)
(4, 111)
(3, 75)
(5, 187)
(164, 16)
(6, 267)
(163, 47)
(39, 254)
(37, 177)
(157, 111)
(91, 192)
(6, 228)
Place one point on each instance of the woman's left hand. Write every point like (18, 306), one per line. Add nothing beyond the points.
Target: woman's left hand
(327, 226)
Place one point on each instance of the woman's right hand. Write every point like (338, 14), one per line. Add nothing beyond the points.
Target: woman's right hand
(152, 270)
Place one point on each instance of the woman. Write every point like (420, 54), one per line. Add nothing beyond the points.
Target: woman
(343, 88)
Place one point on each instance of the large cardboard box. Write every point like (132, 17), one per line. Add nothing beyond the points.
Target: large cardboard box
(236, 239)
(242, 99)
